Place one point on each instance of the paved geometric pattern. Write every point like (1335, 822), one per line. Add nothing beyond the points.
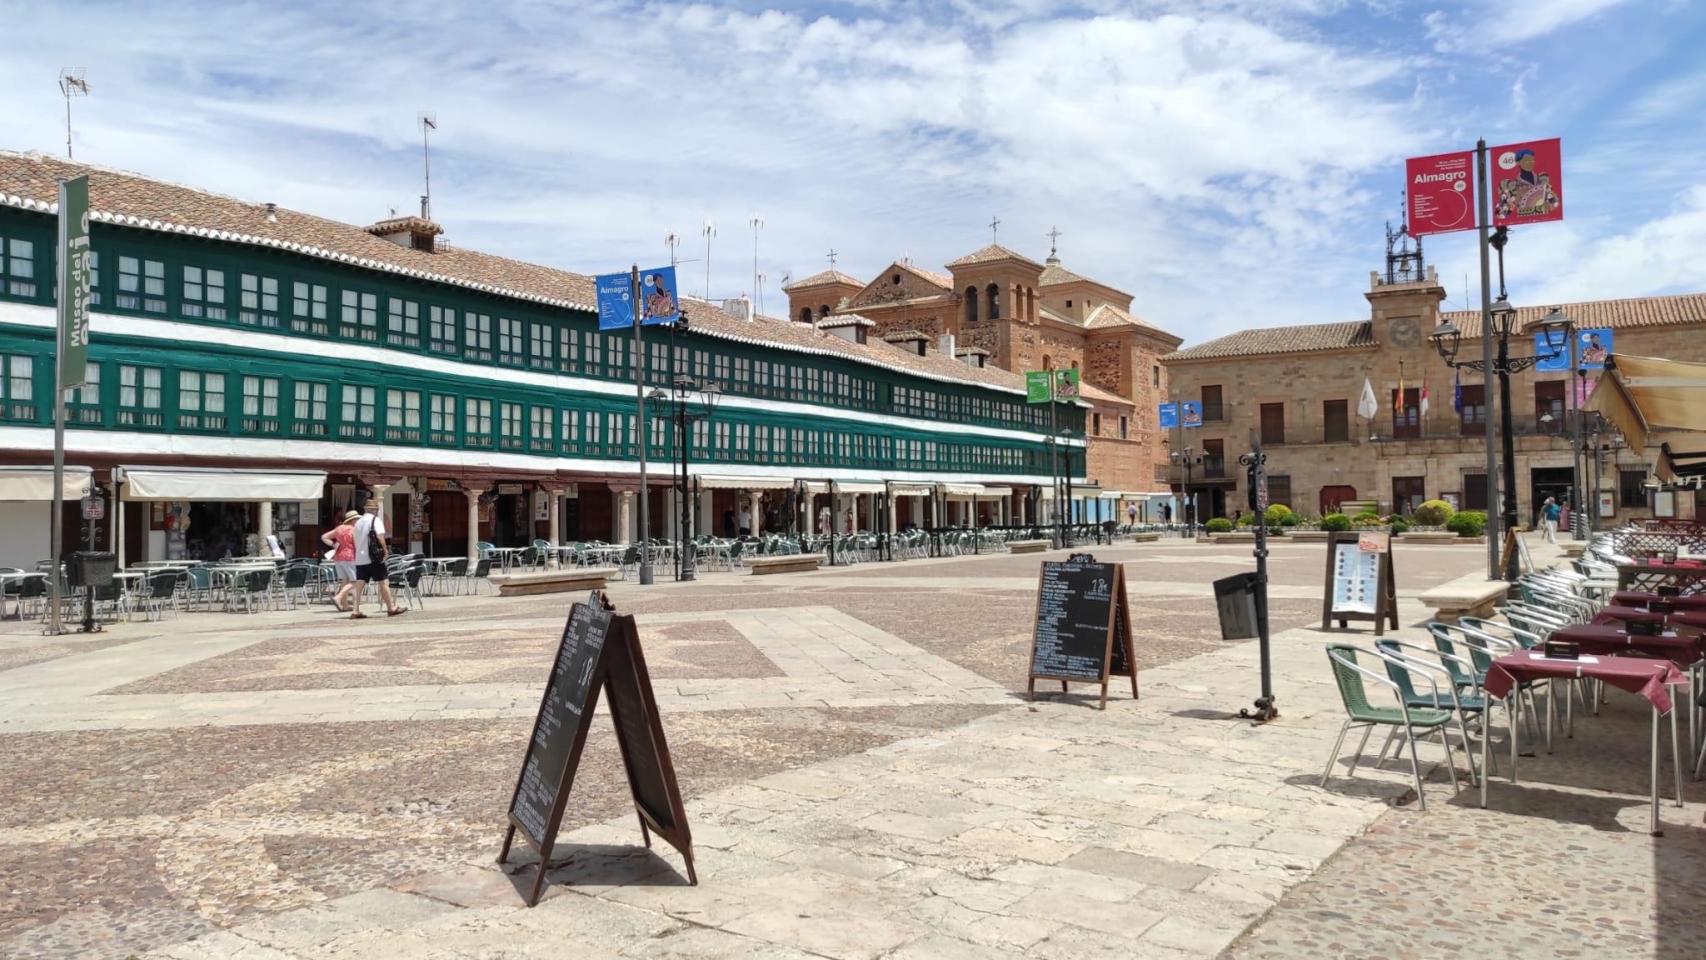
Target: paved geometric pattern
(827, 659)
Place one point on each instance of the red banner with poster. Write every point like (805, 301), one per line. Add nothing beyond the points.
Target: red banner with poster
(1528, 182)
(1439, 193)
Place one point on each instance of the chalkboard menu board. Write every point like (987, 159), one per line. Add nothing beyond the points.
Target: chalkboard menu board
(599, 650)
(1082, 631)
(1360, 584)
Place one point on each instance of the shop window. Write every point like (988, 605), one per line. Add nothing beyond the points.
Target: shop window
(19, 262)
(1407, 413)
(441, 330)
(310, 414)
(477, 338)
(257, 304)
(512, 345)
(1335, 421)
(1212, 407)
(402, 323)
(1472, 412)
(17, 388)
(1549, 406)
(1474, 490)
(1631, 488)
(139, 396)
(542, 354)
(204, 293)
(360, 317)
(403, 416)
(308, 310)
(1273, 423)
(441, 419)
(477, 422)
(260, 405)
(359, 415)
(83, 406)
(540, 422)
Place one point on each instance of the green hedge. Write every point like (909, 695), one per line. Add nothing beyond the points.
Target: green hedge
(1335, 521)
(1218, 525)
(1434, 513)
(1467, 523)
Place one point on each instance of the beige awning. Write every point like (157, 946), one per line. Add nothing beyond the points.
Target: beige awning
(212, 483)
(1642, 396)
(962, 490)
(36, 483)
(993, 492)
(746, 483)
(912, 489)
(860, 486)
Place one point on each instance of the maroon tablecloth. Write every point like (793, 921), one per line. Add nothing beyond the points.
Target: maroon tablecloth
(1682, 621)
(1641, 598)
(1651, 679)
(1679, 647)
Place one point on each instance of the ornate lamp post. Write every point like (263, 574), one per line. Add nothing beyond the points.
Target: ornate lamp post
(682, 388)
(1188, 460)
(1447, 338)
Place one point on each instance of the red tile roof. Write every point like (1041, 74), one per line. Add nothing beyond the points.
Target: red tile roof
(824, 279)
(1300, 339)
(1660, 311)
(990, 254)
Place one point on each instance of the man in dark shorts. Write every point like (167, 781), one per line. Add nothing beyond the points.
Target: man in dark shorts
(369, 567)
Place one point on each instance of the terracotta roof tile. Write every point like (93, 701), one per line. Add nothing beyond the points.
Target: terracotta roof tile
(990, 254)
(824, 279)
(1618, 314)
(31, 181)
(1055, 273)
(1299, 339)
(938, 279)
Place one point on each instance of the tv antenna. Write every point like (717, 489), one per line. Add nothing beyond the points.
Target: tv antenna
(709, 230)
(71, 83)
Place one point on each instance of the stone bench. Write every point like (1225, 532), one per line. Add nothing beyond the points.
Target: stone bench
(1431, 536)
(1309, 536)
(1471, 595)
(785, 563)
(571, 580)
(1030, 546)
(1149, 537)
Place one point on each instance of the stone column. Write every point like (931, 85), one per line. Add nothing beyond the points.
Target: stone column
(894, 505)
(625, 518)
(264, 527)
(755, 503)
(704, 525)
(554, 514)
(118, 523)
(473, 495)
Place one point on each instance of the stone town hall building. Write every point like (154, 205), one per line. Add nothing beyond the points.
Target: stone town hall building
(999, 308)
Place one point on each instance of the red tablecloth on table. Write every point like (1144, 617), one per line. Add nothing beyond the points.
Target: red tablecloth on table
(1641, 598)
(1679, 647)
(1682, 621)
(1651, 679)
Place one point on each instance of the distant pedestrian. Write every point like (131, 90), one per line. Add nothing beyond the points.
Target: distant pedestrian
(745, 521)
(1166, 513)
(342, 541)
(371, 550)
(1549, 518)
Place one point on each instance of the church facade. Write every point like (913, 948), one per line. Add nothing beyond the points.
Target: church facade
(997, 307)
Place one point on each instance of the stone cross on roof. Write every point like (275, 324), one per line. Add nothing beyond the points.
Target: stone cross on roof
(832, 258)
(1053, 237)
(995, 230)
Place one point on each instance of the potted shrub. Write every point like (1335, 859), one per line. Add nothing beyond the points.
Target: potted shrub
(1218, 525)
(1433, 513)
(1335, 522)
(1467, 523)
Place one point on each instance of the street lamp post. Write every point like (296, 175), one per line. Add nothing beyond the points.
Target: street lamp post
(1184, 458)
(681, 387)
(1446, 339)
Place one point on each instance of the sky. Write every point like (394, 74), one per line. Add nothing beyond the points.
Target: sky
(1230, 163)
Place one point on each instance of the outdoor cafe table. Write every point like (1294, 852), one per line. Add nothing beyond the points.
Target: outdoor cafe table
(1649, 679)
(1643, 599)
(1647, 574)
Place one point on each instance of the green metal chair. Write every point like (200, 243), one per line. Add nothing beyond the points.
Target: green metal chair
(1351, 678)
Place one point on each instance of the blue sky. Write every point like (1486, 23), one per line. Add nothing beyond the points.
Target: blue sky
(1229, 162)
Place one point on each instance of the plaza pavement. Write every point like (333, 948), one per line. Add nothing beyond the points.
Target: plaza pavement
(863, 780)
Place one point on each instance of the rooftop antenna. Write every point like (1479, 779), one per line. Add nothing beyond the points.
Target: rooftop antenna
(709, 230)
(672, 240)
(429, 123)
(757, 224)
(758, 309)
(71, 83)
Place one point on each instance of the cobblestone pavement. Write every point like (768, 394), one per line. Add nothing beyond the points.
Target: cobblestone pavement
(861, 781)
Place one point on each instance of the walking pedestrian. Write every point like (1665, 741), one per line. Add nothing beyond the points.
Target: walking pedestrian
(370, 553)
(342, 541)
(1549, 517)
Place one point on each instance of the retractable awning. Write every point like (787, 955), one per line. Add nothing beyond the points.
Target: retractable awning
(860, 486)
(1112, 495)
(212, 483)
(912, 489)
(962, 490)
(36, 483)
(1648, 395)
(993, 492)
(746, 483)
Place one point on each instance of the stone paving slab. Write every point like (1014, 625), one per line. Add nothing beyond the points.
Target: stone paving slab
(1156, 828)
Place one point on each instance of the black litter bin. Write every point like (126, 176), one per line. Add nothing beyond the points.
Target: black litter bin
(1235, 596)
(91, 568)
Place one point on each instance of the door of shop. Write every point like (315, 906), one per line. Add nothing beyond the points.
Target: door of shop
(1546, 482)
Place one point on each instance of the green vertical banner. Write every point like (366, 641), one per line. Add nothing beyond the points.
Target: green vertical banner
(73, 282)
(1066, 384)
(1036, 386)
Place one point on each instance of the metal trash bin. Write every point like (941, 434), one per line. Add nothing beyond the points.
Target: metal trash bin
(1235, 596)
(91, 568)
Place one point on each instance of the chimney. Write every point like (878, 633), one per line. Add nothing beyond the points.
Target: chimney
(739, 306)
(417, 233)
(945, 344)
(272, 212)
